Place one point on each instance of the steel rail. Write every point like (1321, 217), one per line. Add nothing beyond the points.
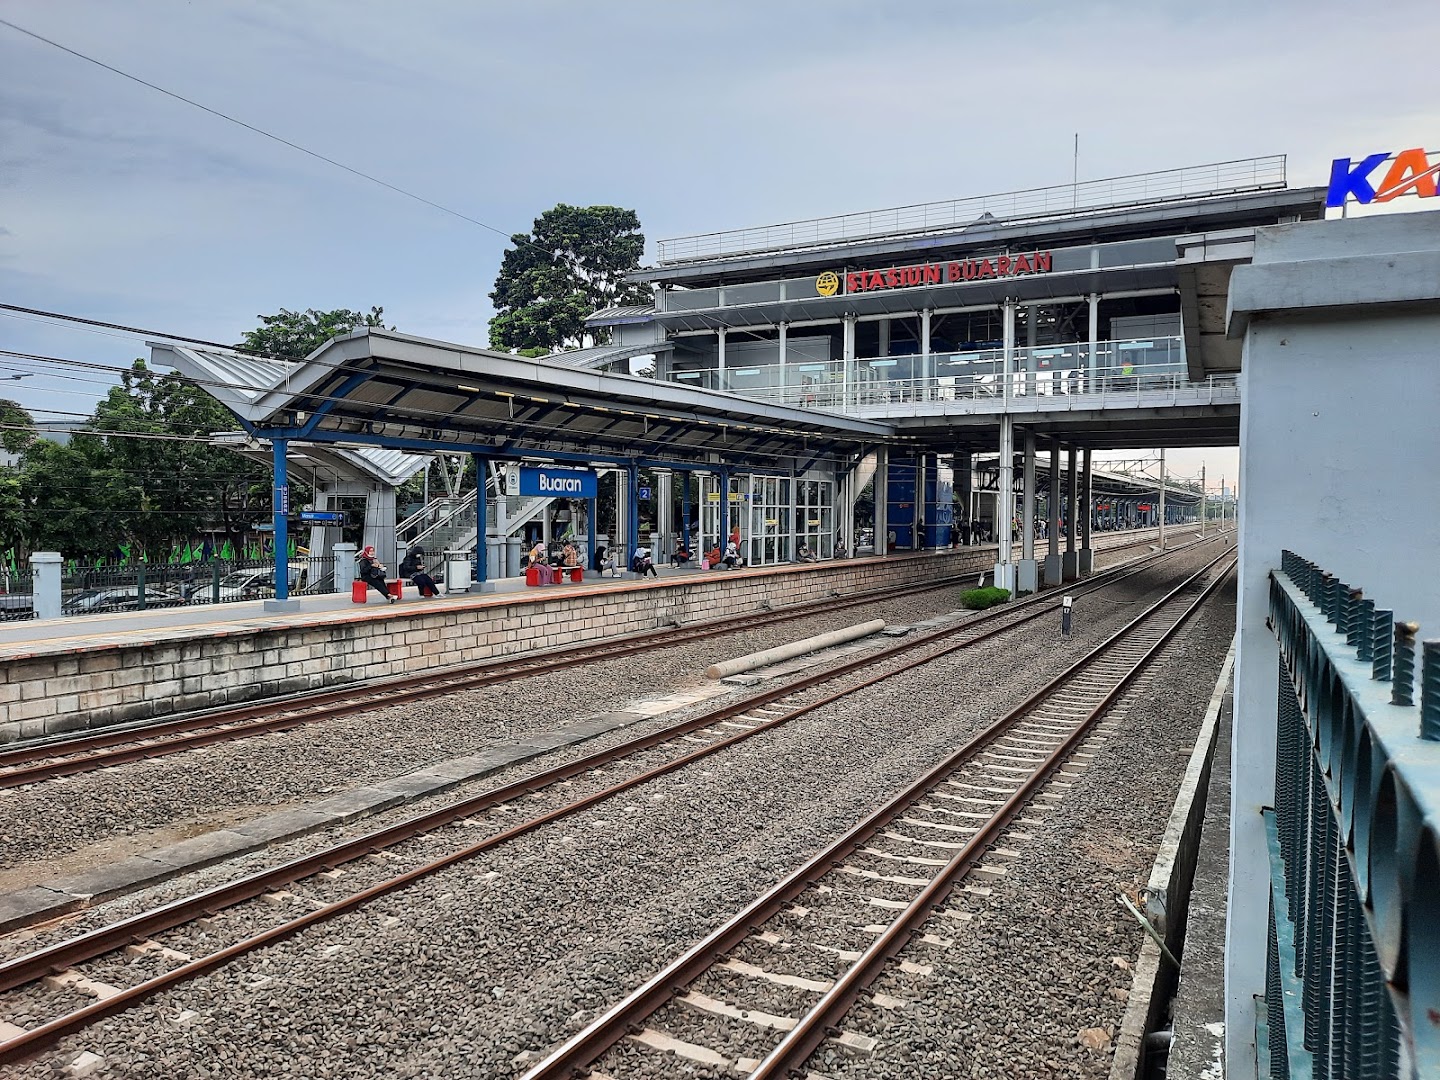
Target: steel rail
(582, 1050)
(35, 763)
(40, 762)
(26, 969)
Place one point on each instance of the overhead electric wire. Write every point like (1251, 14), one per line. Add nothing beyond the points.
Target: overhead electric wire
(271, 135)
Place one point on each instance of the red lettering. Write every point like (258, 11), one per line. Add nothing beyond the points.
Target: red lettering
(1022, 264)
(987, 269)
(1411, 172)
(854, 283)
(1042, 262)
(1004, 270)
(952, 272)
(932, 274)
(875, 280)
(892, 277)
(971, 271)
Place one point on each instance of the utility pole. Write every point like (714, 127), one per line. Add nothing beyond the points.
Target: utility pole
(1162, 499)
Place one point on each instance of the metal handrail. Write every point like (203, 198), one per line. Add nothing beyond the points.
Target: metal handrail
(1216, 178)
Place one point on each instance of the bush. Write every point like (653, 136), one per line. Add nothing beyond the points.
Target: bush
(980, 599)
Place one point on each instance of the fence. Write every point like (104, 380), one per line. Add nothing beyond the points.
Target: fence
(1224, 177)
(17, 595)
(1353, 962)
(138, 587)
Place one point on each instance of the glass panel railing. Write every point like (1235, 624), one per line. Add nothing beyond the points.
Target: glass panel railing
(1142, 370)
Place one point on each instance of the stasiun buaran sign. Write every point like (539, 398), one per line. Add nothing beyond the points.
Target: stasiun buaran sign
(565, 483)
(1410, 173)
(954, 272)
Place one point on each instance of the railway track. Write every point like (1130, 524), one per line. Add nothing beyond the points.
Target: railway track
(49, 760)
(797, 943)
(330, 882)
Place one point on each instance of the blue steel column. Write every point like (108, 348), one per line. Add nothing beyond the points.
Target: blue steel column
(685, 510)
(724, 510)
(280, 502)
(482, 546)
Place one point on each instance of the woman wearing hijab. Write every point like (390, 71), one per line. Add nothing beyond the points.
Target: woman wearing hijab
(372, 572)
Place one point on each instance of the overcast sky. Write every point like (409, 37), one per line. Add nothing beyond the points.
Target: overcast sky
(123, 205)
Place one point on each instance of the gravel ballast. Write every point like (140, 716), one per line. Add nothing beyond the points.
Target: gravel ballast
(513, 950)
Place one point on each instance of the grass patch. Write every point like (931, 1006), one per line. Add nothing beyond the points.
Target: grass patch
(980, 599)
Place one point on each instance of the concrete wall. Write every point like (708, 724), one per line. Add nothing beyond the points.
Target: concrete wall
(53, 689)
(1339, 450)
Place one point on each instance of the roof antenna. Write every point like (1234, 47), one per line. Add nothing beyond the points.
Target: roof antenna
(1075, 177)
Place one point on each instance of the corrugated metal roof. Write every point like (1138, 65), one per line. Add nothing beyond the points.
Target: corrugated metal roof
(613, 316)
(600, 355)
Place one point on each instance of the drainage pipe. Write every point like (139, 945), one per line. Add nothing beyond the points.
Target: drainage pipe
(793, 649)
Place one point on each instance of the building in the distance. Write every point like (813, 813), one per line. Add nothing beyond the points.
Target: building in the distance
(1087, 316)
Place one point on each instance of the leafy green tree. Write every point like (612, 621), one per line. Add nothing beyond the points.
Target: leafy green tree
(571, 263)
(17, 427)
(294, 335)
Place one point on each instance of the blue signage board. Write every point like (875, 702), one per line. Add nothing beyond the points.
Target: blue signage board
(644, 493)
(559, 483)
(323, 517)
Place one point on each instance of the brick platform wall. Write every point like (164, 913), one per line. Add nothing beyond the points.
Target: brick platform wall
(44, 694)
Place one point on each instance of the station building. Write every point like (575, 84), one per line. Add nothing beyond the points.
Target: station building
(1088, 316)
(797, 366)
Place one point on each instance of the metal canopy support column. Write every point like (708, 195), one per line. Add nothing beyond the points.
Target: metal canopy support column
(280, 516)
(1027, 570)
(618, 541)
(723, 477)
(1053, 565)
(917, 507)
(1070, 566)
(1005, 505)
(965, 481)
(1087, 513)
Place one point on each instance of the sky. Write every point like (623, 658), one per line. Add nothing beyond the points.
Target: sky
(120, 204)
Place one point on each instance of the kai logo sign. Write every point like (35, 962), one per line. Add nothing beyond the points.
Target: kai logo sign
(1410, 172)
(828, 283)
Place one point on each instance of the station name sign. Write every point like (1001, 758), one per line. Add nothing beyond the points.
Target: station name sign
(1411, 172)
(948, 273)
(556, 483)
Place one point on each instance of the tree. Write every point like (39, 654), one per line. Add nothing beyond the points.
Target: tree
(17, 427)
(294, 335)
(570, 264)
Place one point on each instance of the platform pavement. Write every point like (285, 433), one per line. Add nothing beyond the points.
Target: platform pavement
(1197, 1046)
(115, 627)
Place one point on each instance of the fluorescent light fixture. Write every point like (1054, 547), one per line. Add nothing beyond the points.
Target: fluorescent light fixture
(468, 389)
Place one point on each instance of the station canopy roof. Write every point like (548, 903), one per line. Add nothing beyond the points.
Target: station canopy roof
(378, 388)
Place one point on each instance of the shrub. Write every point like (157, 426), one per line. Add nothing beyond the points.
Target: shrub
(980, 599)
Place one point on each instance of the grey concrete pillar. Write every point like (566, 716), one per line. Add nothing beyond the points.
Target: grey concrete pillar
(1054, 567)
(882, 498)
(1005, 506)
(1027, 569)
(346, 569)
(1087, 511)
(1070, 566)
(965, 483)
(45, 585)
(664, 517)
(721, 381)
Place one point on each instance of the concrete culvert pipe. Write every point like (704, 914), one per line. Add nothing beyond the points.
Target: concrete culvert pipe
(793, 649)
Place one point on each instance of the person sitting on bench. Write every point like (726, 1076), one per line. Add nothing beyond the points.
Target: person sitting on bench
(642, 564)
